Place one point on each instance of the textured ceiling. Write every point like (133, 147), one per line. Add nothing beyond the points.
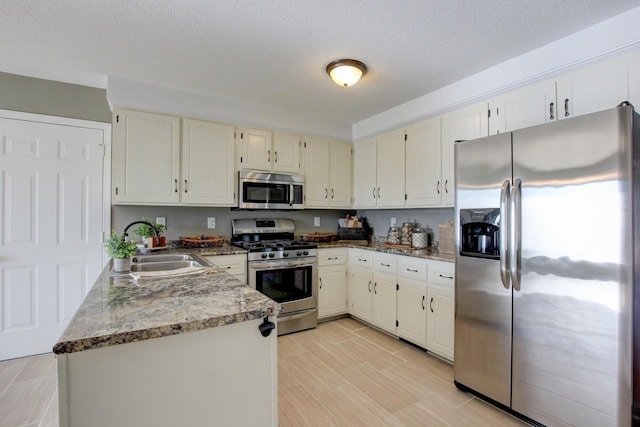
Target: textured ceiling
(274, 52)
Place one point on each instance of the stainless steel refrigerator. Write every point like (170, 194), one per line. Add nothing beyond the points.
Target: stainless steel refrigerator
(546, 275)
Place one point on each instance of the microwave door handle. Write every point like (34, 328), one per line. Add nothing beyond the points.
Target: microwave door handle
(505, 192)
(290, 194)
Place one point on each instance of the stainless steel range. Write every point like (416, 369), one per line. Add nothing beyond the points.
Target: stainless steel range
(282, 268)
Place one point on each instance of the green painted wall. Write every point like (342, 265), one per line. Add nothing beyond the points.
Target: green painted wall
(31, 95)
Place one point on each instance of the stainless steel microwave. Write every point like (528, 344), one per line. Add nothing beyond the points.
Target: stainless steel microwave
(263, 190)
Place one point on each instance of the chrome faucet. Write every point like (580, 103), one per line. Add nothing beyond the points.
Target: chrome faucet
(155, 230)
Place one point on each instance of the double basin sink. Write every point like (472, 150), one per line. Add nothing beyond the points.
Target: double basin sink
(164, 262)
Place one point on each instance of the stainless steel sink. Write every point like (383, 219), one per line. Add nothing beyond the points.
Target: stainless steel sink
(141, 259)
(163, 265)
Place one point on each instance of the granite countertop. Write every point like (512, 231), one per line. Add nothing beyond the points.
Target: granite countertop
(363, 244)
(118, 310)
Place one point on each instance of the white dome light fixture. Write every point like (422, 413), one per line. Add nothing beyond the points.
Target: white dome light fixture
(346, 72)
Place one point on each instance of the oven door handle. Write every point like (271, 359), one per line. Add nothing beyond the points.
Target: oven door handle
(279, 266)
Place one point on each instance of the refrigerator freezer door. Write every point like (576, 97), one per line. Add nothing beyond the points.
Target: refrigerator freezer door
(571, 315)
(482, 350)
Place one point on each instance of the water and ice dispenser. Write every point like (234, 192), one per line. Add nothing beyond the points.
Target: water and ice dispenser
(480, 232)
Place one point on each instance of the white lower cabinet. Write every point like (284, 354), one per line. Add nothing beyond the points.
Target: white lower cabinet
(236, 265)
(332, 282)
(441, 309)
(412, 298)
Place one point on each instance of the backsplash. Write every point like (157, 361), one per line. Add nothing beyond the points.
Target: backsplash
(380, 219)
(192, 221)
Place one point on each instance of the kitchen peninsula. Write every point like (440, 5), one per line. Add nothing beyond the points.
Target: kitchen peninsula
(169, 351)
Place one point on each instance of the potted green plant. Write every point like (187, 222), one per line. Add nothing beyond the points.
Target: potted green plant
(149, 236)
(121, 250)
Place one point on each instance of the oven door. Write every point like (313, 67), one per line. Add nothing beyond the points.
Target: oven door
(292, 283)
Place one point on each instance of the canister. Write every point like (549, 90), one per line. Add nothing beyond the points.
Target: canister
(419, 238)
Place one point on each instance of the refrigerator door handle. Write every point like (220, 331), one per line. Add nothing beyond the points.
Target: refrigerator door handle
(504, 233)
(515, 221)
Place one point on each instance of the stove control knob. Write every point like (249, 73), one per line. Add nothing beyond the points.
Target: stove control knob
(271, 254)
(299, 253)
(264, 255)
(305, 253)
(285, 254)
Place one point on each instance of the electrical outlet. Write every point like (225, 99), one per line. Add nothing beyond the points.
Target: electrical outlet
(211, 222)
(393, 222)
(160, 220)
(316, 221)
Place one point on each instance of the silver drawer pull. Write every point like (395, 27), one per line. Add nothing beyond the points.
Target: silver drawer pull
(413, 270)
(385, 265)
(445, 277)
(332, 258)
(362, 260)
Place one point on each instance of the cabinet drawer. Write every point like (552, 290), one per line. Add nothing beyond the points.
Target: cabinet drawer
(412, 268)
(332, 256)
(361, 258)
(385, 263)
(232, 264)
(441, 273)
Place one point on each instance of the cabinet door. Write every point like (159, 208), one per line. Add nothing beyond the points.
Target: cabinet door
(364, 174)
(390, 169)
(440, 320)
(360, 291)
(384, 301)
(595, 88)
(412, 311)
(340, 175)
(316, 155)
(467, 123)
(423, 163)
(236, 265)
(332, 290)
(255, 149)
(286, 153)
(521, 108)
(208, 176)
(146, 158)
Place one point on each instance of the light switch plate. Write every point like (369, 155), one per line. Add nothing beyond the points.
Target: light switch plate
(161, 220)
(211, 222)
(316, 221)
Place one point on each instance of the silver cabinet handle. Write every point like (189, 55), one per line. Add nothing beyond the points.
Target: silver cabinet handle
(566, 107)
(413, 270)
(332, 194)
(423, 298)
(446, 186)
(276, 154)
(331, 258)
(505, 192)
(431, 305)
(369, 286)
(362, 260)
(551, 115)
(326, 193)
(375, 288)
(320, 280)
(515, 240)
(185, 186)
(374, 192)
(445, 276)
(268, 155)
(385, 265)
(438, 187)
(378, 192)
(175, 181)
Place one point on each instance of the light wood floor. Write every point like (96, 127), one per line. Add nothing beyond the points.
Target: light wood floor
(341, 374)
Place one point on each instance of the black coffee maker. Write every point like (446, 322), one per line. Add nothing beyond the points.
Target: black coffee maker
(480, 233)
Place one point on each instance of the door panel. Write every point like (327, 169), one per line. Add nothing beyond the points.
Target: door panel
(51, 229)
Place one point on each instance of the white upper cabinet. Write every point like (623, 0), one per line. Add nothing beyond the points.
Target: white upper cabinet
(146, 158)
(529, 106)
(286, 153)
(467, 123)
(364, 174)
(423, 163)
(208, 176)
(327, 173)
(390, 169)
(155, 164)
(256, 147)
(262, 150)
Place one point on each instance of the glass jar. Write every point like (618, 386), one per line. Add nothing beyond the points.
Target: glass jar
(419, 238)
(393, 235)
(405, 233)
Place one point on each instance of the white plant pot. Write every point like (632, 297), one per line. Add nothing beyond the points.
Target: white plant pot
(121, 265)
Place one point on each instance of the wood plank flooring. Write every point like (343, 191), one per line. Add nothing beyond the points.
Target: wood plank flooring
(342, 373)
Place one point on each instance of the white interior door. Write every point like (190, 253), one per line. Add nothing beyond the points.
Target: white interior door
(52, 219)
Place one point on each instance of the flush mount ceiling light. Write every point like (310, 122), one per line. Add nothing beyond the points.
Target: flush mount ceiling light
(346, 72)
